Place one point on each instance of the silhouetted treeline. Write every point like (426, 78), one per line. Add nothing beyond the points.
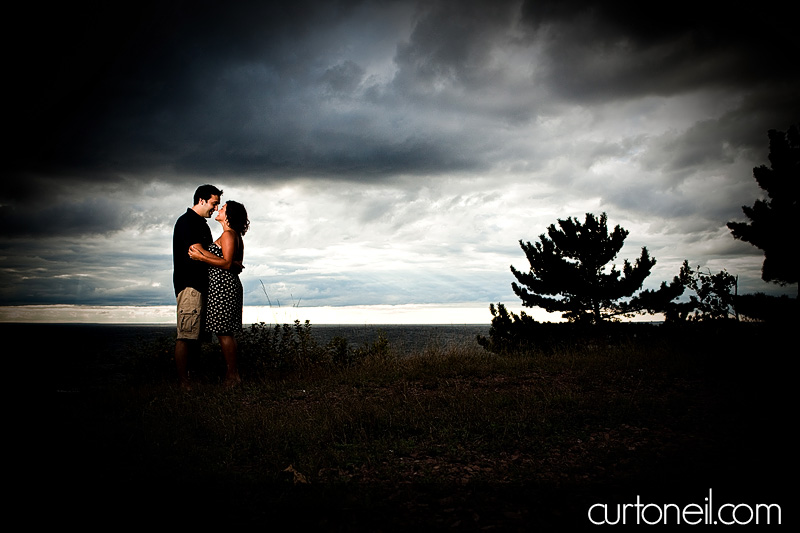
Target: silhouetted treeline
(511, 333)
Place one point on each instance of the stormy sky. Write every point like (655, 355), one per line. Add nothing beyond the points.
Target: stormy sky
(388, 152)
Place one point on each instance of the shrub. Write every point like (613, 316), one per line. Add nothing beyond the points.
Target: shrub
(288, 348)
(508, 332)
(283, 348)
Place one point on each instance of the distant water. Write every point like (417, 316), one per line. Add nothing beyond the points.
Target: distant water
(403, 338)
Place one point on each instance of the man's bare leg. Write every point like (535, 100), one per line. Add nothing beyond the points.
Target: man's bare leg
(182, 349)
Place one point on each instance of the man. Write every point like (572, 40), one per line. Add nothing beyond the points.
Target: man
(190, 278)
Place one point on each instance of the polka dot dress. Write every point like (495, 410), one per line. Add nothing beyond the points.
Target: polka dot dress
(224, 307)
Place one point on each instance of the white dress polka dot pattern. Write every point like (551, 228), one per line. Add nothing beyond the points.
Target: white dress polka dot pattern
(225, 299)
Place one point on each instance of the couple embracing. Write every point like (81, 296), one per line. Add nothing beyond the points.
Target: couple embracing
(206, 279)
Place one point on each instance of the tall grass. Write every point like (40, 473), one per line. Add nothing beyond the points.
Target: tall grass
(447, 415)
(329, 417)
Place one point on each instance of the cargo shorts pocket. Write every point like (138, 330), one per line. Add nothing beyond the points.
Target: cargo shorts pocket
(188, 319)
(190, 303)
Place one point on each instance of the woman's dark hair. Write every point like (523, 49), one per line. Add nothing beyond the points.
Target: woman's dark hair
(205, 192)
(237, 217)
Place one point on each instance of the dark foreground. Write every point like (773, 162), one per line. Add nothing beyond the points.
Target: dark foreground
(719, 419)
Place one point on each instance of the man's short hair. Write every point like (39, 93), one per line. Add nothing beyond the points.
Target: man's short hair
(205, 192)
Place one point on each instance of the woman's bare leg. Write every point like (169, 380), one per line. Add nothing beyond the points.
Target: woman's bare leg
(229, 346)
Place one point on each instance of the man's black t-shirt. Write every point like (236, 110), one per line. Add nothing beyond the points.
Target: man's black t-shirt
(189, 229)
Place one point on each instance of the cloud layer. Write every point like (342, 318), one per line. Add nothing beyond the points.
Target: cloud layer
(387, 152)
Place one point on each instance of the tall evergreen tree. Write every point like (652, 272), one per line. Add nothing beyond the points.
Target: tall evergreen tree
(568, 271)
(773, 222)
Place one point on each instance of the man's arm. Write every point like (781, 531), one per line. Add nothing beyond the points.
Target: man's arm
(226, 262)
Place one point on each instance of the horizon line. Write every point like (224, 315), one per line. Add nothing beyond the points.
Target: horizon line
(439, 314)
(386, 314)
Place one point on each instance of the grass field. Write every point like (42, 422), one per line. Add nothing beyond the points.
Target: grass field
(451, 438)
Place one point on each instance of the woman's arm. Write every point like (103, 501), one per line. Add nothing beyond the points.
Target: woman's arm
(226, 242)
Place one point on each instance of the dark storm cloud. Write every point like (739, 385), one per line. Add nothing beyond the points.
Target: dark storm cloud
(255, 88)
(214, 87)
(130, 78)
(619, 48)
(452, 45)
(71, 216)
(608, 51)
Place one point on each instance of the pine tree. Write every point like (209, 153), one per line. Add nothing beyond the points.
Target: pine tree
(568, 271)
(774, 221)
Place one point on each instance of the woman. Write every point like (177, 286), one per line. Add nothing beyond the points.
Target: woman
(225, 299)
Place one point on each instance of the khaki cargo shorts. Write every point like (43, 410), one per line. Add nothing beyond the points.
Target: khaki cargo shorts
(190, 313)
